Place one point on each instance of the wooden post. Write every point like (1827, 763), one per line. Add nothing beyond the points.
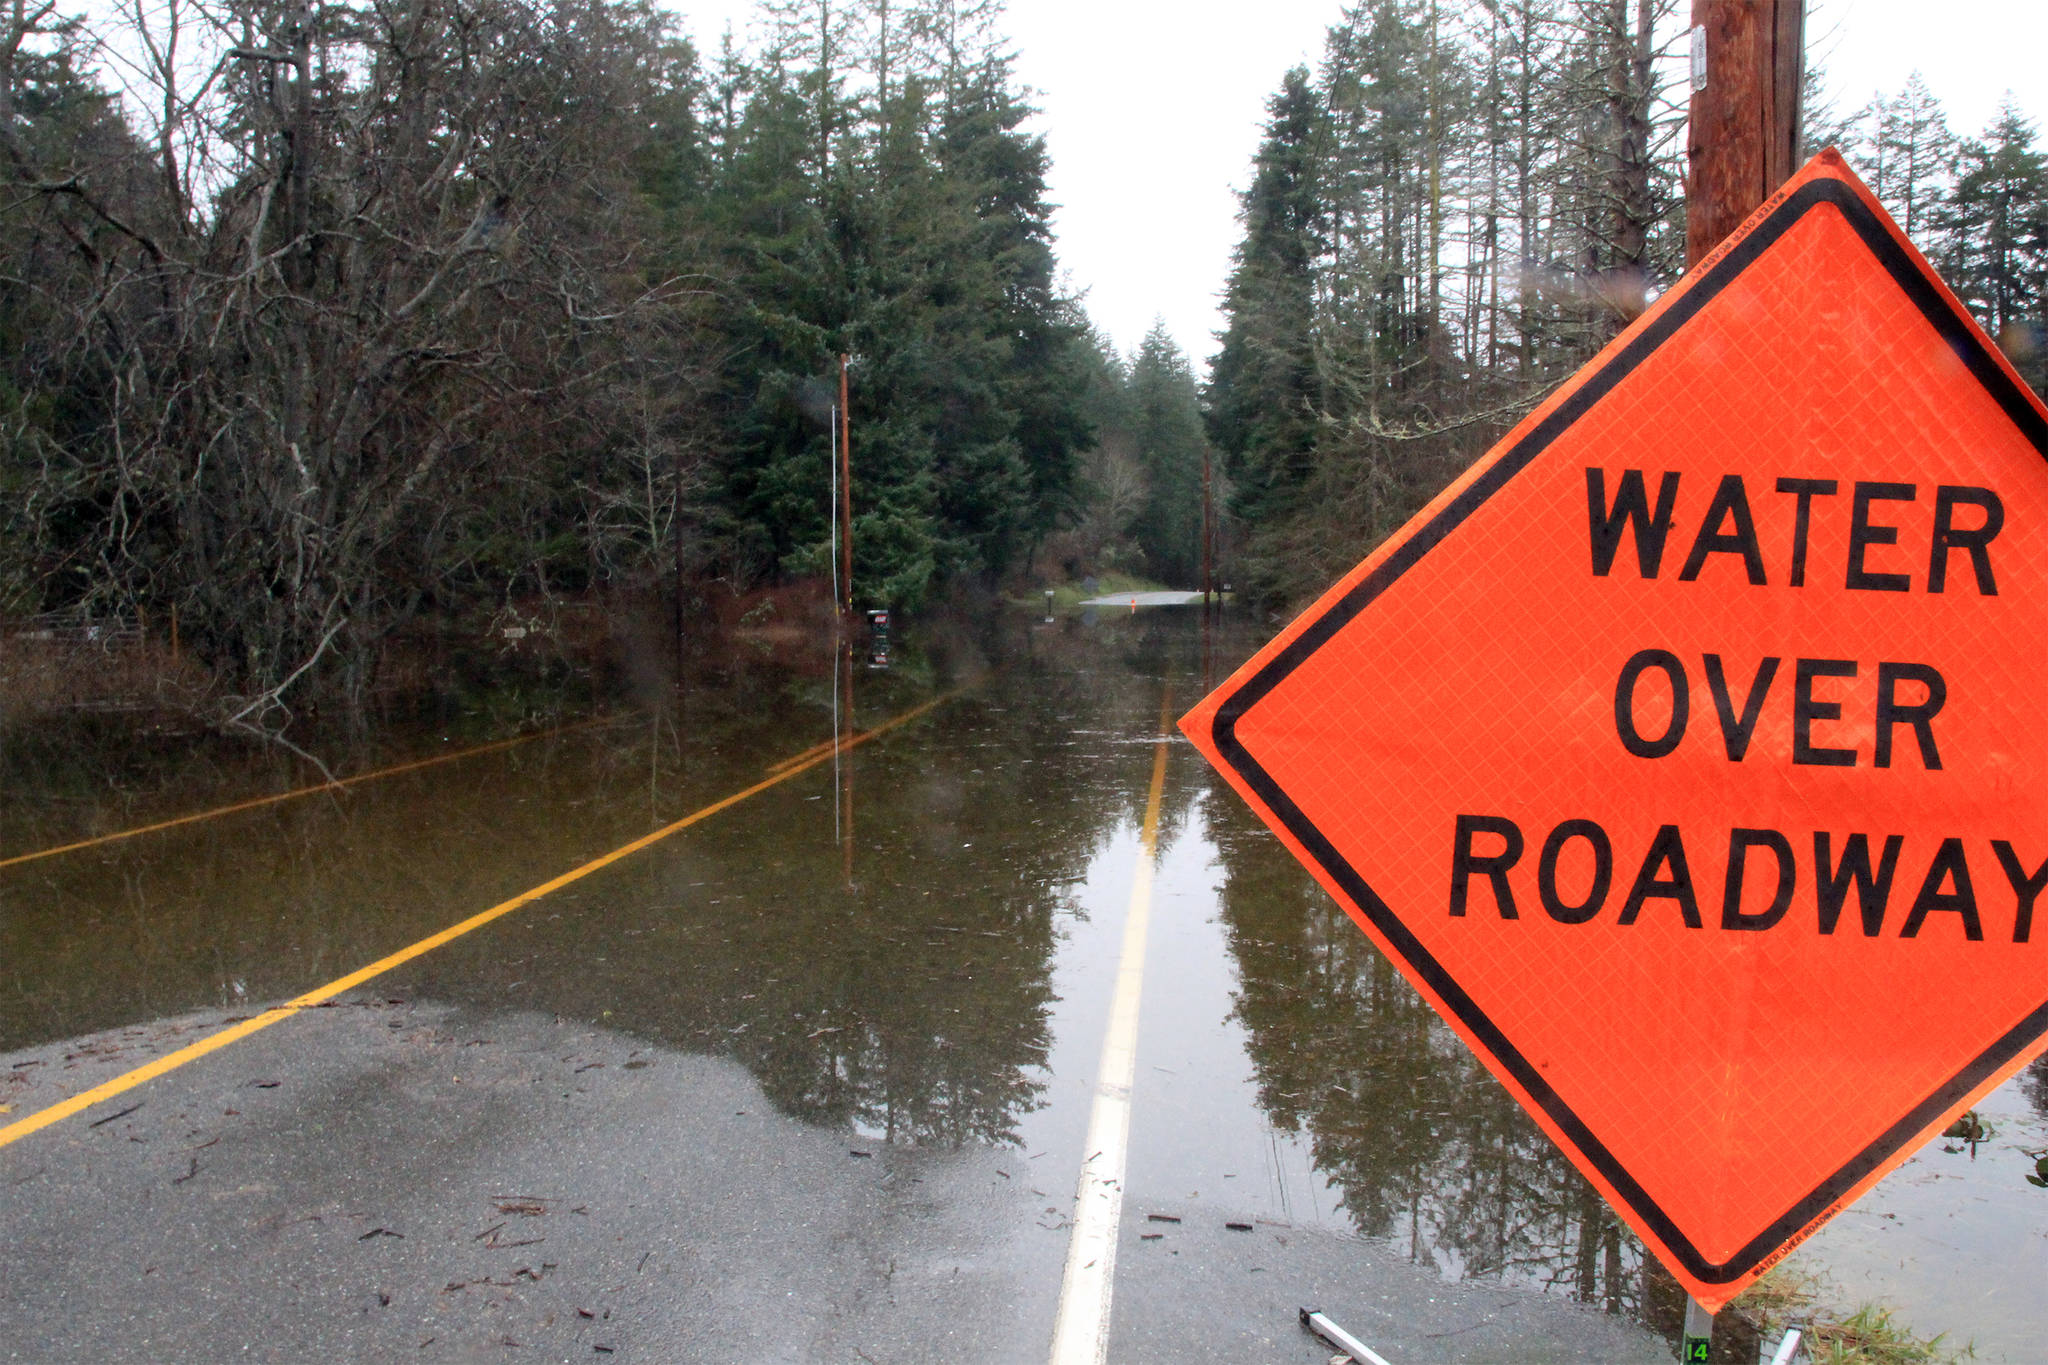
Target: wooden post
(845, 499)
(1748, 62)
(676, 548)
(1208, 535)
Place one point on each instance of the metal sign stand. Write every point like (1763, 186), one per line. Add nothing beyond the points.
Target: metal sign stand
(1698, 1333)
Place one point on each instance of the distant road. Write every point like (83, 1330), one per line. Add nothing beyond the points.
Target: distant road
(1145, 599)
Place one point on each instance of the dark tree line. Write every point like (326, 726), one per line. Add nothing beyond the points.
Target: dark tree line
(1464, 200)
(1977, 206)
(316, 320)
(1140, 486)
(339, 314)
(1445, 218)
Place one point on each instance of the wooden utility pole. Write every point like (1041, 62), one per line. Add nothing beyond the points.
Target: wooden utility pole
(1747, 64)
(845, 498)
(676, 545)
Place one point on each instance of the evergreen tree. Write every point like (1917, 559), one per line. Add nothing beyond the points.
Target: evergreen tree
(1032, 331)
(1821, 122)
(817, 38)
(1379, 114)
(922, 250)
(1995, 230)
(1111, 487)
(1166, 429)
(1263, 397)
(782, 277)
(1910, 154)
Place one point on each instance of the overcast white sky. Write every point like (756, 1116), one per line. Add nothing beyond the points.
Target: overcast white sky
(1152, 111)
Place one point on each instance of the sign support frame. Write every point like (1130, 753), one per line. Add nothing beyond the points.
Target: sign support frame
(1749, 68)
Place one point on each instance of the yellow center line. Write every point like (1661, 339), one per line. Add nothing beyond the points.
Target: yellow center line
(816, 750)
(64, 1109)
(1081, 1329)
(825, 748)
(297, 792)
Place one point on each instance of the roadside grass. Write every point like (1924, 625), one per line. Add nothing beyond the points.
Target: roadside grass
(1871, 1335)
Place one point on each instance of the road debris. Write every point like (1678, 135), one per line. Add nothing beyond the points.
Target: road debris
(1315, 1321)
(118, 1114)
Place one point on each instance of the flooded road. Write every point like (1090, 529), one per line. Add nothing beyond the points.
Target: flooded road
(812, 1075)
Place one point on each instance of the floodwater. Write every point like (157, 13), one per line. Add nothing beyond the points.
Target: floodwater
(910, 946)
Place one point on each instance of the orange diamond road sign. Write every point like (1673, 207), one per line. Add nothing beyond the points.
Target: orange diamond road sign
(1690, 754)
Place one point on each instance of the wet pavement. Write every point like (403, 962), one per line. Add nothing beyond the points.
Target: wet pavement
(806, 1080)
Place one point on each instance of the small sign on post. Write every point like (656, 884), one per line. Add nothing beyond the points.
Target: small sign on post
(1685, 753)
(878, 637)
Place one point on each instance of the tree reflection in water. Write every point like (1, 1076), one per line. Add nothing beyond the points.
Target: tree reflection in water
(1424, 1147)
(913, 1002)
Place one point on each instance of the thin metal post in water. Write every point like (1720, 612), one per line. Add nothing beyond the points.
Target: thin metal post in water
(1209, 646)
(846, 800)
(1208, 533)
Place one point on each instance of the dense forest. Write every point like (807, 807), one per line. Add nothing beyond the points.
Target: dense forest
(342, 315)
(321, 320)
(1464, 200)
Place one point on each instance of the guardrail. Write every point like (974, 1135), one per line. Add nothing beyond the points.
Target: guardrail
(76, 628)
(69, 661)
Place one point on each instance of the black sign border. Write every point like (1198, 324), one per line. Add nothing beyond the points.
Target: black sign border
(1919, 286)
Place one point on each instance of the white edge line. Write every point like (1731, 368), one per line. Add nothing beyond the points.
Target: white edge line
(1081, 1331)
